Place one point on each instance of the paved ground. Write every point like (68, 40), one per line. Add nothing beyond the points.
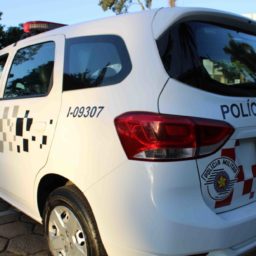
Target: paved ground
(20, 235)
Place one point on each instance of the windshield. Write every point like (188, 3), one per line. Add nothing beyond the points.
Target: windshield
(210, 57)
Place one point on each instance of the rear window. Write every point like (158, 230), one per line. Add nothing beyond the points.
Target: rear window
(95, 61)
(3, 59)
(211, 57)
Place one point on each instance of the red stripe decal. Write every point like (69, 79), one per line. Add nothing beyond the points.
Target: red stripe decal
(229, 152)
(240, 175)
(224, 202)
(247, 186)
(254, 170)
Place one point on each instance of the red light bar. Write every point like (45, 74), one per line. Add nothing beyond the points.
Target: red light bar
(40, 26)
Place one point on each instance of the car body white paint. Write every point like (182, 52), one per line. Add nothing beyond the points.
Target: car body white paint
(141, 208)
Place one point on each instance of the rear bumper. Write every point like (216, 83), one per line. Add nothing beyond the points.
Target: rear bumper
(147, 209)
(237, 250)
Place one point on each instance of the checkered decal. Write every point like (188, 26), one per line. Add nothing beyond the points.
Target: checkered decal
(229, 177)
(15, 131)
(245, 186)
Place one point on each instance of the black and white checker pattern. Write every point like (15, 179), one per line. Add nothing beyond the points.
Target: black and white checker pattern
(15, 131)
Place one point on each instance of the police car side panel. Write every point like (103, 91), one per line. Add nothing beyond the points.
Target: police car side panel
(86, 149)
(92, 147)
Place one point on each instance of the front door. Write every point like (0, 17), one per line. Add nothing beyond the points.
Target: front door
(31, 100)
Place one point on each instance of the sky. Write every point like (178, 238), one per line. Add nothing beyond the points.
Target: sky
(75, 11)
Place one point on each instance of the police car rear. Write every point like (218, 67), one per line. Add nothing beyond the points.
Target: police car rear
(208, 112)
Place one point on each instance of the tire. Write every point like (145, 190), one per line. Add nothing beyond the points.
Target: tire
(69, 224)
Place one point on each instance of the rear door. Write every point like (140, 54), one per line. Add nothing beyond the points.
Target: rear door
(29, 109)
(213, 75)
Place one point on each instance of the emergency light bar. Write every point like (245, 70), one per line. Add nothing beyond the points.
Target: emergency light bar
(35, 27)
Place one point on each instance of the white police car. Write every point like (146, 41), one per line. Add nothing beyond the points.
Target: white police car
(134, 135)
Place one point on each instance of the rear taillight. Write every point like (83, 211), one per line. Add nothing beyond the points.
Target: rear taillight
(160, 137)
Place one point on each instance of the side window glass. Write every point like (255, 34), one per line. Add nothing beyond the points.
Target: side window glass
(31, 72)
(95, 61)
(3, 60)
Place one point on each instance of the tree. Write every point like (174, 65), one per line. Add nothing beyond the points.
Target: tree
(9, 36)
(12, 35)
(2, 33)
(172, 3)
(122, 6)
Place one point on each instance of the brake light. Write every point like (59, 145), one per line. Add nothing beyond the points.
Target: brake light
(161, 137)
(40, 26)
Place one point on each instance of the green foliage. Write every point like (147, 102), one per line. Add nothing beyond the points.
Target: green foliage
(2, 33)
(122, 6)
(10, 35)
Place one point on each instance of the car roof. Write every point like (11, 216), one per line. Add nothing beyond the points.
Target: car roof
(127, 22)
(119, 22)
(168, 16)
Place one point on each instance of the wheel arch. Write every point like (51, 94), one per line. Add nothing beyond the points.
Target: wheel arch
(47, 184)
(50, 182)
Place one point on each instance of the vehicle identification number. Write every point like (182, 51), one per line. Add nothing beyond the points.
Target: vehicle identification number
(85, 112)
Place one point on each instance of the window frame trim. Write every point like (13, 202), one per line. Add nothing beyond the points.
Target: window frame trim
(1, 56)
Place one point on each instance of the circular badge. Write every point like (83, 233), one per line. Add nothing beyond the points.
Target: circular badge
(219, 177)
